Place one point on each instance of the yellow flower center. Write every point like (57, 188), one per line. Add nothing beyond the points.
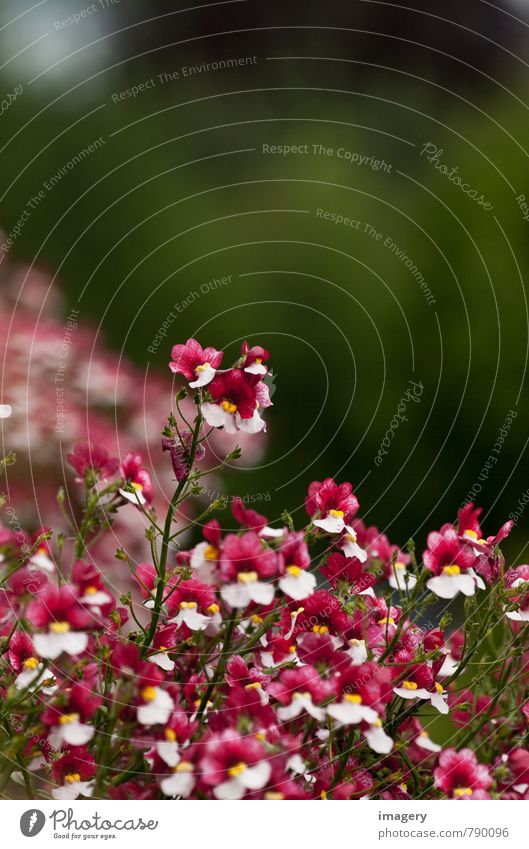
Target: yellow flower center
(148, 694)
(404, 788)
(463, 791)
(336, 514)
(59, 627)
(183, 766)
(354, 698)
(211, 553)
(255, 685)
(295, 571)
(387, 620)
(212, 609)
(260, 736)
(425, 735)
(453, 569)
(258, 361)
(351, 537)
(247, 577)
(137, 486)
(323, 795)
(399, 565)
(256, 619)
(30, 663)
(471, 534)
(271, 795)
(72, 777)
(377, 723)
(90, 591)
(297, 612)
(320, 629)
(203, 367)
(438, 687)
(188, 605)
(410, 685)
(236, 770)
(292, 650)
(229, 406)
(66, 718)
(170, 735)
(304, 695)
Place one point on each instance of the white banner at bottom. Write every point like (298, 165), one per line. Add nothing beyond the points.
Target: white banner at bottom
(303, 824)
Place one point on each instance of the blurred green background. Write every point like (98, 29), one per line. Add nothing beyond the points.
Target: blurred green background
(179, 192)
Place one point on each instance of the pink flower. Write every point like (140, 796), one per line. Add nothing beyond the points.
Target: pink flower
(332, 508)
(244, 561)
(301, 690)
(138, 480)
(70, 722)
(296, 581)
(451, 561)
(196, 606)
(518, 579)
(233, 765)
(65, 618)
(460, 776)
(349, 571)
(94, 458)
(73, 772)
(234, 402)
(254, 359)
(197, 364)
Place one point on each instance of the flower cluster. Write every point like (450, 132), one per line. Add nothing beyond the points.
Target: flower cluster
(262, 662)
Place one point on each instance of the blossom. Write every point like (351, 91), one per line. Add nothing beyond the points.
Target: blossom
(137, 479)
(72, 772)
(420, 683)
(92, 458)
(60, 612)
(296, 581)
(196, 605)
(300, 690)
(331, 508)
(244, 561)
(349, 571)
(518, 578)
(451, 562)
(234, 402)
(254, 359)
(233, 765)
(198, 365)
(460, 776)
(69, 723)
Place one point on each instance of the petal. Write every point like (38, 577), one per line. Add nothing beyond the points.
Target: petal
(253, 425)
(236, 595)
(232, 789)
(378, 740)
(179, 784)
(215, 416)
(298, 588)
(205, 376)
(261, 593)
(332, 524)
(168, 751)
(77, 734)
(255, 777)
(444, 586)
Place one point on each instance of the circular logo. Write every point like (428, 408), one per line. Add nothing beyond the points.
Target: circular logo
(32, 822)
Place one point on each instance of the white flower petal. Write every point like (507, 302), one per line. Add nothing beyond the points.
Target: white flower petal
(229, 790)
(331, 524)
(299, 587)
(178, 784)
(236, 595)
(378, 740)
(77, 734)
(205, 376)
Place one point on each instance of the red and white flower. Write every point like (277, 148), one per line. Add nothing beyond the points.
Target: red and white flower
(244, 561)
(234, 765)
(59, 611)
(460, 776)
(198, 365)
(451, 562)
(233, 404)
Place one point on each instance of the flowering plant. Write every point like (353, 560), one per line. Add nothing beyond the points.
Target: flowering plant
(266, 663)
